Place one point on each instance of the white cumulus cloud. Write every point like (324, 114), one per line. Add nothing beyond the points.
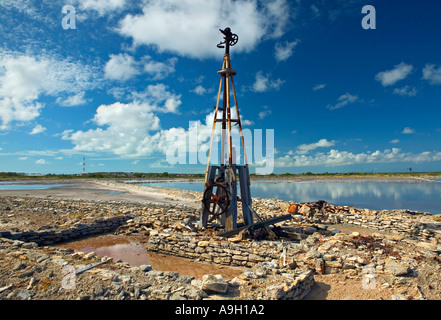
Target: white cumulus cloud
(199, 90)
(406, 91)
(121, 67)
(123, 129)
(72, 101)
(160, 97)
(319, 87)
(398, 73)
(266, 112)
(24, 78)
(285, 50)
(102, 6)
(343, 101)
(41, 162)
(408, 130)
(335, 158)
(38, 129)
(322, 143)
(127, 129)
(263, 83)
(432, 74)
(157, 69)
(191, 27)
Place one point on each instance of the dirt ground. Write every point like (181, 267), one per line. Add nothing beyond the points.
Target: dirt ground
(339, 287)
(90, 190)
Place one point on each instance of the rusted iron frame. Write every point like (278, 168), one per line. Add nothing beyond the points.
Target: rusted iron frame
(255, 226)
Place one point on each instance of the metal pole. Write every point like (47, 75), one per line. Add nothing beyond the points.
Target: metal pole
(212, 131)
(227, 87)
(239, 122)
(224, 117)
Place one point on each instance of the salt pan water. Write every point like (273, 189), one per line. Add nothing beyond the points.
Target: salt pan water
(421, 196)
(27, 186)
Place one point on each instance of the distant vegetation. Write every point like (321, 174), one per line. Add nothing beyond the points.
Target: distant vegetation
(141, 175)
(98, 175)
(361, 174)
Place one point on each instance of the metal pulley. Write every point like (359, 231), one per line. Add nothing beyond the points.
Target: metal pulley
(230, 39)
(234, 39)
(216, 200)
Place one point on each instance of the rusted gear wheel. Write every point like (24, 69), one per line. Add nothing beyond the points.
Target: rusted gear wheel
(234, 39)
(216, 200)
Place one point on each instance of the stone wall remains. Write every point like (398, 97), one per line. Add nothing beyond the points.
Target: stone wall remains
(80, 230)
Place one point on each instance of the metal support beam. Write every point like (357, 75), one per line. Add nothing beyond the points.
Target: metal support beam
(256, 226)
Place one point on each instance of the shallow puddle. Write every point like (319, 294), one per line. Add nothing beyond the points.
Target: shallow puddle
(115, 246)
(129, 249)
(117, 192)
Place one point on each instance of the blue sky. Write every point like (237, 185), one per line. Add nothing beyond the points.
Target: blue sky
(131, 74)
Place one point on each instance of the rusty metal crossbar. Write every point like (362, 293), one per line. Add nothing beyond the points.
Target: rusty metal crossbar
(255, 226)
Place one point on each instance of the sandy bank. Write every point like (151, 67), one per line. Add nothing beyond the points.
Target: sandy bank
(106, 190)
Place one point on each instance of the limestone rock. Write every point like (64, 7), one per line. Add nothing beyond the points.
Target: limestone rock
(395, 268)
(248, 275)
(393, 237)
(145, 267)
(319, 265)
(426, 245)
(275, 292)
(214, 283)
(89, 255)
(203, 243)
(195, 294)
(305, 210)
(97, 289)
(284, 206)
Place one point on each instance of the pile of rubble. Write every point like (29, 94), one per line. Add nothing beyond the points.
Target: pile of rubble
(51, 273)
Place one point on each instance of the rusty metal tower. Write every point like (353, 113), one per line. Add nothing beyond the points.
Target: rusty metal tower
(220, 189)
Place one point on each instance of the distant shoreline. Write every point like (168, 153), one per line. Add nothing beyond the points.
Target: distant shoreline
(269, 179)
(14, 176)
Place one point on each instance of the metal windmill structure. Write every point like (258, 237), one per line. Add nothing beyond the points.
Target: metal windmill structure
(220, 198)
(221, 181)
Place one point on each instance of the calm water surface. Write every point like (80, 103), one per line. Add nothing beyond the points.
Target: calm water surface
(372, 195)
(423, 196)
(129, 249)
(27, 186)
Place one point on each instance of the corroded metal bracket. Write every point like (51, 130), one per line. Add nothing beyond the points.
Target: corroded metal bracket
(230, 40)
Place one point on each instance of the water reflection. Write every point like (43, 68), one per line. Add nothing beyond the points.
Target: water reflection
(131, 250)
(117, 247)
(373, 195)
